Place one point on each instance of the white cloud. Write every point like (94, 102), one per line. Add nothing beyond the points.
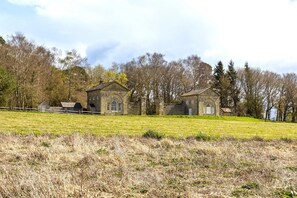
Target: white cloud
(261, 32)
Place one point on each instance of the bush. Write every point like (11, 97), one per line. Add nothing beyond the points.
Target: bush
(102, 151)
(153, 134)
(257, 139)
(46, 144)
(250, 185)
(287, 140)
(202, 137)
(288, 192)
(240, 193)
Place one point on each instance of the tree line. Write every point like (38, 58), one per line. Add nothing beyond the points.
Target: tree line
(255, 92)
(31, 73)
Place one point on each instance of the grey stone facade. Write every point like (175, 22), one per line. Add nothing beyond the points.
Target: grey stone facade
(174, 109)
(201, 102)
(113, 98)
(108, 98)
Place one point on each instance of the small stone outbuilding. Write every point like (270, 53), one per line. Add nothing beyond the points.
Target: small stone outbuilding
(108, 98)
(226, 112)
(71, 107)
(43, 107)
(201, 102)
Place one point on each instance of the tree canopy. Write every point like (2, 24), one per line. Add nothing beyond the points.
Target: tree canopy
(32, 73)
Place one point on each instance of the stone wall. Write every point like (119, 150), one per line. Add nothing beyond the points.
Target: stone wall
(94, 98)
(137, 107)
(174, 109)
(134, 108)
(191, 105)
(159, 107)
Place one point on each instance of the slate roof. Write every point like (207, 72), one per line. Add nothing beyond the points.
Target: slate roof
(71, 105)
(103, 85)
(226, 110)
(68, 104)
(195, 92)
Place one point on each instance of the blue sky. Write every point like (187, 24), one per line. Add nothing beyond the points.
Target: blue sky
(105, 31)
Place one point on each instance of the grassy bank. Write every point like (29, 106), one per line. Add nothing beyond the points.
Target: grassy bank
(171, 126)
(97, 166)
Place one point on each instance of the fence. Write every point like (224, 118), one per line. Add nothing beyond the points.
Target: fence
(50, 110)
(18, 109)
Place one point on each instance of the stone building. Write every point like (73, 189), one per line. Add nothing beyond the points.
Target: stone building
(72, 107)
(108, 98)
(201, 102)
(113, 98)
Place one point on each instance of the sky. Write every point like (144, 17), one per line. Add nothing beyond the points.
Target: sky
(260, 32)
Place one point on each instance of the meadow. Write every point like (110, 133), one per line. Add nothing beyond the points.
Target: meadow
(70, 155)
(170, 126)
(120, 166)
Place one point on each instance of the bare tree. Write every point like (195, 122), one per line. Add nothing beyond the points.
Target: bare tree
(198, 72)
(30, 65)
(251, 83)
(271, 83)
(288, 102)
(74, 66)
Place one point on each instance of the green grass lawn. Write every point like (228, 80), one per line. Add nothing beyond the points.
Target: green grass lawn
(173, 126)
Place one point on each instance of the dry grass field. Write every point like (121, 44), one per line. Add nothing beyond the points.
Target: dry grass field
(67, 155)
(120, 166)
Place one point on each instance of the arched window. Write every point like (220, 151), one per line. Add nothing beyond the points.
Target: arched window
(209, 109)
(114, 106)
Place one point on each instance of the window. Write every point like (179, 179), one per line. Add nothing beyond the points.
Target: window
(114, 106)
(209, 109)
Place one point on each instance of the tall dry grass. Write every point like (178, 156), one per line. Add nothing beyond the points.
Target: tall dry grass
(92, 166)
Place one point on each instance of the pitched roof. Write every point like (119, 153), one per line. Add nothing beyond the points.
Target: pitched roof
(71, 105)
(68, 104)
(195, 92)
(105, 84)
(227, 110)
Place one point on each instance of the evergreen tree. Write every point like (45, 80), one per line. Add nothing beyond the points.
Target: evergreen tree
(2, 41)
(218, 73)
(233, 88)
(221, 83)
(248, 89)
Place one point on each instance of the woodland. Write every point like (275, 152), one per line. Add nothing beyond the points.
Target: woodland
(31, 73)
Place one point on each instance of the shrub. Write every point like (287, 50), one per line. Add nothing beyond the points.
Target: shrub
(202, 137)
(46, 144)
(250, 185)
(240, 193)
(102, 151)
(288, 192)
(287, 140)
(258, 139)
(153, 134)
(292, 168)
